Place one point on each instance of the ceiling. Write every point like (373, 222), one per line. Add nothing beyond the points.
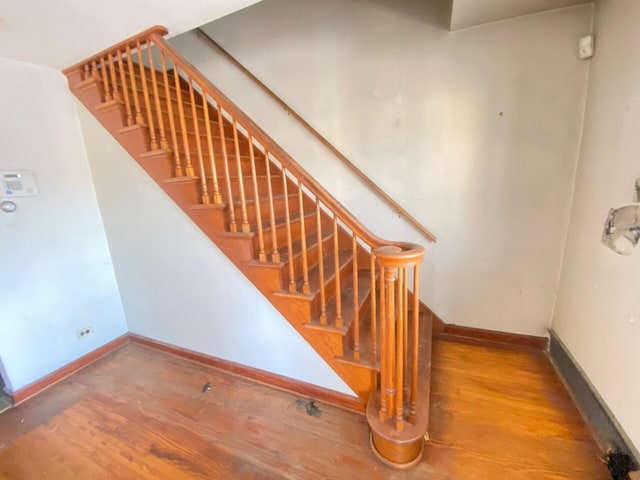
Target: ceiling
(468, 13)
(59, 33)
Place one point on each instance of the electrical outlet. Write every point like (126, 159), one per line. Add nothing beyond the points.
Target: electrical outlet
(84, 332)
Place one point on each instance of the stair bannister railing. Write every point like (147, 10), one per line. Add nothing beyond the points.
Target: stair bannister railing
(206, 145)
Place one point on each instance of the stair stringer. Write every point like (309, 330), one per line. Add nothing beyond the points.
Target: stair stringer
(360, 378)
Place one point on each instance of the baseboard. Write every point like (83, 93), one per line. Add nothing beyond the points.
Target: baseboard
(481, 336)
(603, 424)
(262, 377)
(60, 374)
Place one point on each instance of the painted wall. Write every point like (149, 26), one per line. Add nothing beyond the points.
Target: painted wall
(56, 269)
(176, 286)
(39, 32)
(475, 132)
(598, 310)
(467, 13)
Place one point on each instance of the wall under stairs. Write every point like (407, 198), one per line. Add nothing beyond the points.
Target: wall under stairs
(190, 297)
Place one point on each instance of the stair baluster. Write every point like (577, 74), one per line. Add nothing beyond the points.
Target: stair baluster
(397, 408)
(114, 83)
(177, 163)
(125, 89)
(306, 289)
(204, 195)
(287, 215)
(323, 295)
(103, 73)
(262, 254)
(356, 303)
(145, 98)
(243, 201)
(156, 96)
(134, 87)
(275, 254)
(188, 167)
(336, 260)
(217, 197)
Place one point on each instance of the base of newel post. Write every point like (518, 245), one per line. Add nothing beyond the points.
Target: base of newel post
(399, 458)
(397, 449)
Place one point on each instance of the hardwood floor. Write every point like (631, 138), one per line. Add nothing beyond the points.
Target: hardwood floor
(142, 414)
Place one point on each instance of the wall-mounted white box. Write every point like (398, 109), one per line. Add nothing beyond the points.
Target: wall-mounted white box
(17, 183)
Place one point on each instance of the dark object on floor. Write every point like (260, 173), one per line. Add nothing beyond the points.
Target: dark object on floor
(205, 387)
(310, 406)
(619, 465)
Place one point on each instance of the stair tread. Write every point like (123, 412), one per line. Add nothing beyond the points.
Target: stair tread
(346, 297)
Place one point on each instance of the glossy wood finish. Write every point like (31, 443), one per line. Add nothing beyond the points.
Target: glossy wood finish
(481, 336)
(141, 414)
(61, 373)
(365, 179)
(270, 379)
(322, 295)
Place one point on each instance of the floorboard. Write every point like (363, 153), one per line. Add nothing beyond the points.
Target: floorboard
(142, 414)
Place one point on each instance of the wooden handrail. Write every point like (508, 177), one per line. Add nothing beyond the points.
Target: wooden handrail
(370, 183)
(274, 148)
(129, 42)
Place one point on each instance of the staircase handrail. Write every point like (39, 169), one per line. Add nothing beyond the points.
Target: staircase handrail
(322, 139)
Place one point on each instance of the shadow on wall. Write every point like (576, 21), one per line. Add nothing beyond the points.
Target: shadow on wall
(436, 13)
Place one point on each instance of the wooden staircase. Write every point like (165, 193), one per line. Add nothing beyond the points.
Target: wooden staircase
(346, 291)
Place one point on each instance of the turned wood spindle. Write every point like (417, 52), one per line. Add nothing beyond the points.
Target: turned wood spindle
(275, 254)
(105, 81)
(262, 254)
(323, 299)
(134, 88)
(243, 201)
(217, 197)
(125, 89)
(306, 288)
(233, 226)
(172, 122)
(114, 82)
(399, 351)
(292, 279)
(188, 166)
(374, 308)
(145, 96)
(156, 95)
(356, 313)
(415, 336)
(196, 130)
(336, 260)
(384, 409)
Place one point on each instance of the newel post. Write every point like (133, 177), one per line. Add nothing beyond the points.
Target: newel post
(398, 412)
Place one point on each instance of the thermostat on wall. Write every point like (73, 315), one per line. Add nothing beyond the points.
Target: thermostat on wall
(18, 183)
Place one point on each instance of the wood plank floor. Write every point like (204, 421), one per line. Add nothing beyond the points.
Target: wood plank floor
(141, 414)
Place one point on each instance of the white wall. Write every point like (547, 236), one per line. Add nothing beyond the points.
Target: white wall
(176, 286)
(57, 275)
(476, 133)
(467, 13)
(598, 309)
(61, 33)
